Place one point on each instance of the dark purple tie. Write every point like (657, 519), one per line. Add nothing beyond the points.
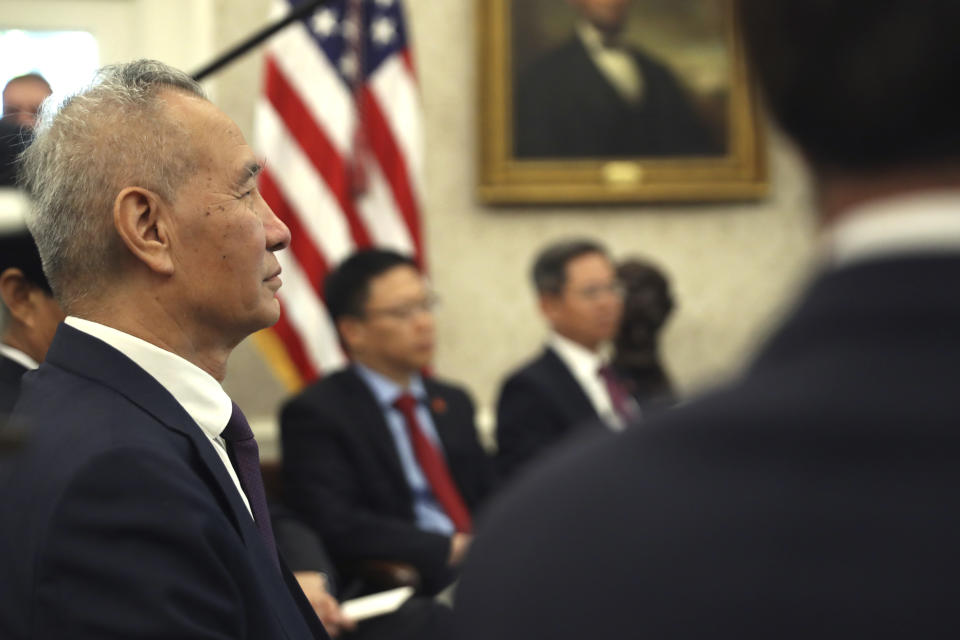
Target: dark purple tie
(623, 404)
(246, 461)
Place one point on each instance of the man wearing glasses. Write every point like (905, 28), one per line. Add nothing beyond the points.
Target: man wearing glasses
(381, 461)
(569, 386)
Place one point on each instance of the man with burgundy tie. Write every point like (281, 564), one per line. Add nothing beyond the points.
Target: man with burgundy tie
(570, 385)
(135, 508)
(381, 461)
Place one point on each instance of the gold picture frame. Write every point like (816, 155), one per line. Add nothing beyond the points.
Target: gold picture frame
(516, 45)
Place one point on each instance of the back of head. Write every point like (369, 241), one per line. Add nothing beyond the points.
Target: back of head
(647, 301)
(860, 86)
(111, 135)
(19, 251)
(347, 287)
(550, 267)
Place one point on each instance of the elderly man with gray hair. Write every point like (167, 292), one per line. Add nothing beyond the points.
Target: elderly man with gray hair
(136, 508)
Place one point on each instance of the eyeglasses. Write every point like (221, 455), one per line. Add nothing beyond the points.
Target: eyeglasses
(407, 310)
(597, 291)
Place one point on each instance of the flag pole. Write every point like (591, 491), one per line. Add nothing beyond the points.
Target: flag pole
(298, 12)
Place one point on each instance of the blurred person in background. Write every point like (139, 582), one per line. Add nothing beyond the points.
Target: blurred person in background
(29, 314)
(382, 461)
(570, 386)
(22, 97)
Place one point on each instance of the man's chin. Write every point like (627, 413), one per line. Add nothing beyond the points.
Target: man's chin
(270, 315)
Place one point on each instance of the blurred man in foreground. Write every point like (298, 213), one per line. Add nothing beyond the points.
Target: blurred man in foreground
(136, 507)
(815, 497)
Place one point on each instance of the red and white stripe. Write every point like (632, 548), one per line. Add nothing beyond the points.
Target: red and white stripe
(305, 126)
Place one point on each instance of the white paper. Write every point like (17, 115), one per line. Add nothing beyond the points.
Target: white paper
(376, 604)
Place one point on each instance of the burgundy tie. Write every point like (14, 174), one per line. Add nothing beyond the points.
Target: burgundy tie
(246, 461)
(434, 467)
(623, 404)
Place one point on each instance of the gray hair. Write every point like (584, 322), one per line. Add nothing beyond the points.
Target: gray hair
(111, 135)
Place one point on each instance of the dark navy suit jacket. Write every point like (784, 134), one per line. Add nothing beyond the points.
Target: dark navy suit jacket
(343, 475)
(10, 374)
(118, 519)
(540, 404)
(816, 497)
(565, 107)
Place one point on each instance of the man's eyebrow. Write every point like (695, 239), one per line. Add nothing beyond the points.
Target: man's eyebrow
(250, 171)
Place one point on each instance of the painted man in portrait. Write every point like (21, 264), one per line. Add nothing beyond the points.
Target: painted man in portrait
(597, 95)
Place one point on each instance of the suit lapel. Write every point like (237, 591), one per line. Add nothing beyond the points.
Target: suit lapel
(370, 418)
(11, 370)
(303, 605)
(568, 393)
(440, 413)
(94, 359)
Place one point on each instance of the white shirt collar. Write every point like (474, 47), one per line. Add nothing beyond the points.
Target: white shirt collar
(18, 356)
(590, 36)
(614, 62)
(584, 366)
(197, 391)
(579, 359)
(927, 222)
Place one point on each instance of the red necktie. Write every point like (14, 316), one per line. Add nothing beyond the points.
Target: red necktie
(434, 467)
(622, 403)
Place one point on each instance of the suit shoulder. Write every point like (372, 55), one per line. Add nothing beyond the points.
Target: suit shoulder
(328, 388)
(143, 470)
(448, 389)
(539, 371)
(556, 61)
(65, 412)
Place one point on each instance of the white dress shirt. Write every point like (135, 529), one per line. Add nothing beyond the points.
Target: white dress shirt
(197, 391)
(922, 222)
(585, 365)
(616, 63)
(18, 356)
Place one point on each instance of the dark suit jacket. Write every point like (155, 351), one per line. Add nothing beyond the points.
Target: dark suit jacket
(540, 404)
(814, 498)
(118, 520)
(343, 475)
(10, 374)
(420, 618)
(565, 107)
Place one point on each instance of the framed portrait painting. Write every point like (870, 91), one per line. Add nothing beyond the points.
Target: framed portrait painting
(615, 101)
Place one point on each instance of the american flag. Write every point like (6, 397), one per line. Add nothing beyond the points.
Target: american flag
(339, 125)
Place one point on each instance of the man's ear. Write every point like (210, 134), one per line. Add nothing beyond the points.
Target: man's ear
(15, 292)
(549, 304)
(141, 218)
(352, 332)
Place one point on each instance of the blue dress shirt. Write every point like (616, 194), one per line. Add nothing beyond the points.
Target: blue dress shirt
(429, 515)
